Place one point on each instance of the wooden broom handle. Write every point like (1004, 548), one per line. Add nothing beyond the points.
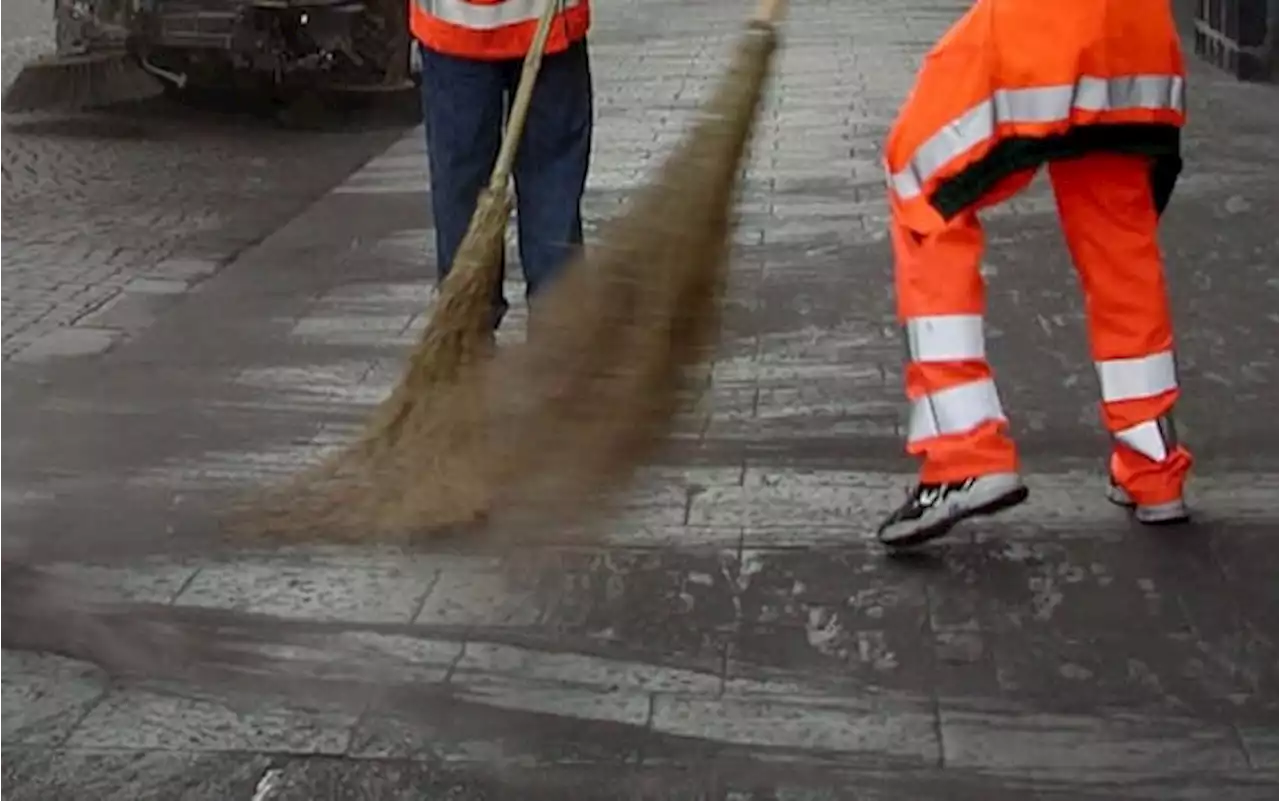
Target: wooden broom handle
(520, 104)
(769, 11)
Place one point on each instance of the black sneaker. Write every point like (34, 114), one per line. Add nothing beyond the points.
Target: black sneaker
(933, 509)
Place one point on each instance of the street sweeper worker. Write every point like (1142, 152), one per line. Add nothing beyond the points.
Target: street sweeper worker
(1094, 89)
(471, 54)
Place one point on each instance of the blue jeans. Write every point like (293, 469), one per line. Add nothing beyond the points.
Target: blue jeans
(464, 105)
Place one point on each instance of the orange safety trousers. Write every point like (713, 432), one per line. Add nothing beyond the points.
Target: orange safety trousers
(958, 427)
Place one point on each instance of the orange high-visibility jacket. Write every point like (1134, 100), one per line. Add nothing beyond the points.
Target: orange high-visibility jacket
(494, 29)
(1016, 83)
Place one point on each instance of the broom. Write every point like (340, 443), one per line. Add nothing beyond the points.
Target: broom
(627, 333)
(457, 336)
(544, 433)
(91, 68)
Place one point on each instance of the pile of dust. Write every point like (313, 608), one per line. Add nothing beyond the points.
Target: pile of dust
(544, 433)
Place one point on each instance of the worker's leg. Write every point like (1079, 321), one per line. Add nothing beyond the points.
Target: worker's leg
(957, 427)
(551, 166)
(1109, 217)
(462, 108)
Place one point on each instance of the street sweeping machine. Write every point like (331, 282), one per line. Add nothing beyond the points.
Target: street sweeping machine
(110, 51)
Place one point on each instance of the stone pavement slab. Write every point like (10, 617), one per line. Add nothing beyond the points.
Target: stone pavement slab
(734, 633)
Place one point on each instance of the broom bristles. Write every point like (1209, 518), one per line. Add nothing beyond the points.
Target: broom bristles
(357, 486)
(76, 83)
(641, 316)
(545, 432)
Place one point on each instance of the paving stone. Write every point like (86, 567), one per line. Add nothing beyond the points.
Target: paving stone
(905, 732)
(157, 286)
(346, 590)
(734, 632)
(157, 582)
(45, 697)
(124, 312)
(145, 721)
(41, 774)
(68, 342)
(490, 664)
(1047, 747)
(477, 593)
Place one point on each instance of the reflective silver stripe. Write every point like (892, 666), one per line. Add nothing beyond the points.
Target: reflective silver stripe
(1155, 439)
(489, 15)
(946, 338)
(954, 411)
(1039, 105)
(1147, 439)
(1143, 377)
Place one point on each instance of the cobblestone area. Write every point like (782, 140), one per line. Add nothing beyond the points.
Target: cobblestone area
(92, 204)
(735, 634)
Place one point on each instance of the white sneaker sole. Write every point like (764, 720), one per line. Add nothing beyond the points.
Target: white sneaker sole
(1154, 514)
